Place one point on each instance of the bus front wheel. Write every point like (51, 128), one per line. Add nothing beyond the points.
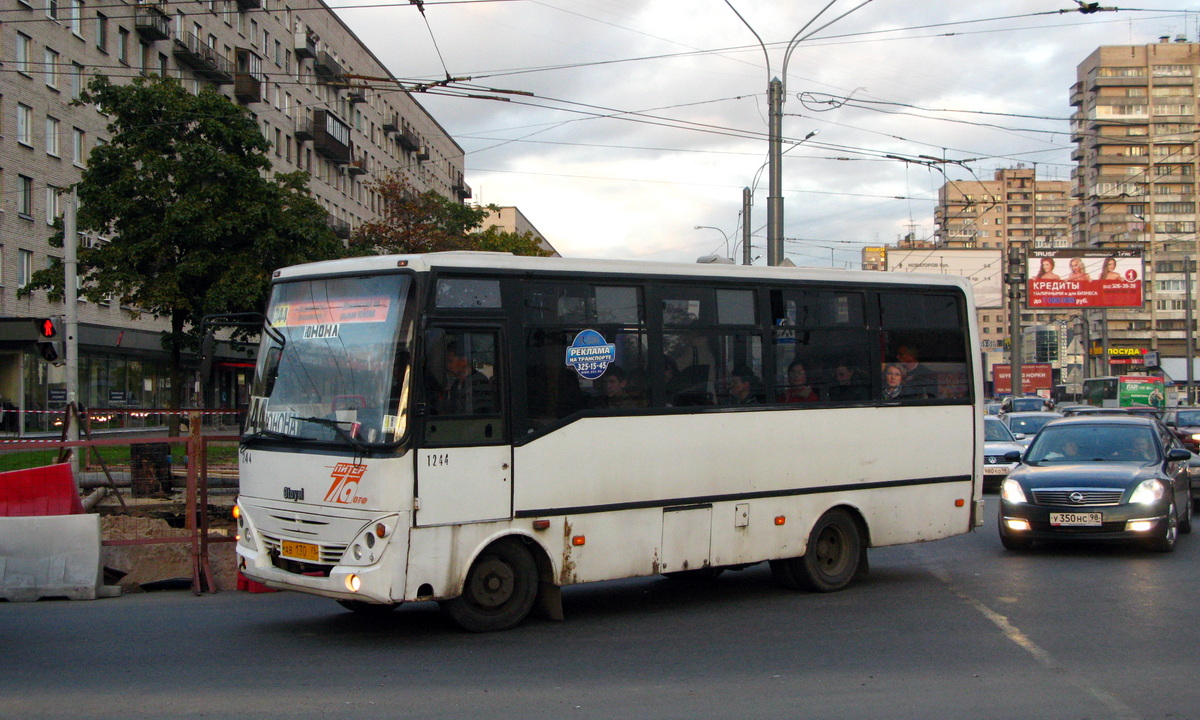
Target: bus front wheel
(499, 590)
(831, 560)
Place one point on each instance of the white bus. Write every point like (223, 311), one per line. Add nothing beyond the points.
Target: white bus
(481, 429)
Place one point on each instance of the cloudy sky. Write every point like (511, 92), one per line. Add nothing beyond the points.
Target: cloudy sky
(634, 121)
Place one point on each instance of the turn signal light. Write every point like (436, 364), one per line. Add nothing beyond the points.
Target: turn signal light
(579, 540)
(541, 524)
(381, 530)
(780, 519)
(237, 511)
(959, 502)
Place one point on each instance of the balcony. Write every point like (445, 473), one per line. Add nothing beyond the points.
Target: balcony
(341, 228)
(248, 87)
(1077, 94)
(408, 139)
(422, 153)
(331, 137)
(391, 123)
(327, 67)
(249, 4)
(151, 23)
(306, 44)
(357, 166)
(304, 130)
(203, 60)
(357, 94)
(462, 189)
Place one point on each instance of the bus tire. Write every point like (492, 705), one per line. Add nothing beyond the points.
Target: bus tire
(832, 559)
(367, 609)
(499, 590)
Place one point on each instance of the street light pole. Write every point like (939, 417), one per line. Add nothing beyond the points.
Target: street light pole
(775, 174)
(723, 234)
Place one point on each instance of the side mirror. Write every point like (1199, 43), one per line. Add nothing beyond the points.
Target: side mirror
(1012, 456)
(1179, 455)
(1019, 436)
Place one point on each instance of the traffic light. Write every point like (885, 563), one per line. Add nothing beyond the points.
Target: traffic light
(49, 343)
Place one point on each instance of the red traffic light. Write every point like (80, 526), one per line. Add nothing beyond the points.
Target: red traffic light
(47, 327)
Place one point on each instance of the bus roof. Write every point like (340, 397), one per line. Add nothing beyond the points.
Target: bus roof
(509, 262)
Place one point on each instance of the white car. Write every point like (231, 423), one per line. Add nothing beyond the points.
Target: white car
(997, 443)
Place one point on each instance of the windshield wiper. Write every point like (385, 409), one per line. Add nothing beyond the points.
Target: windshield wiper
(336, 426)
(267, 433)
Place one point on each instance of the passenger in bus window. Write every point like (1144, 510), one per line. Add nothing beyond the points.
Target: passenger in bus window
(744, 386)
(798, 388)
(893, 381)
(468, 391)
(919, 381)
(614, 389)
(849, 385)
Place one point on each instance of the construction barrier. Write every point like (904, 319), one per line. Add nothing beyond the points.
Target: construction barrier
(146, 500)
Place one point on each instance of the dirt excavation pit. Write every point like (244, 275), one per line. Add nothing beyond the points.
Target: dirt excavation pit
(147, 566)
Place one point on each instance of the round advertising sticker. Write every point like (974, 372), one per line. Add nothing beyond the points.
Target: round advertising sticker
(590, 355)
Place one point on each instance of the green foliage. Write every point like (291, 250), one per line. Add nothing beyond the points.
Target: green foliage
(424, 222)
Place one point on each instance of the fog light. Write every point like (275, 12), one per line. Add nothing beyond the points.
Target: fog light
(1139, 525)
(1016, 524)
(353, 583)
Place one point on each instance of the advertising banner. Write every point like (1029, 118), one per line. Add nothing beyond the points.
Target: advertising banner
(1068, 279)
(1034, 377)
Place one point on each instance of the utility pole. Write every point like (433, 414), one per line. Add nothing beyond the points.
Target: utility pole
(71, 315)
(1188, 336)
(775, 174)
(1016, 281)
(747, 256)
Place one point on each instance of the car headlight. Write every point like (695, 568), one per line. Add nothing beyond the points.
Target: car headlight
(1148, 492)
(1196, 437)
(1011, 491)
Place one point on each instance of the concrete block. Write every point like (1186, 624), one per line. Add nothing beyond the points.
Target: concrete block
(50, 556)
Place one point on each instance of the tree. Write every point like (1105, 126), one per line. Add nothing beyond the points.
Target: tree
(423, 222)
(195, 225)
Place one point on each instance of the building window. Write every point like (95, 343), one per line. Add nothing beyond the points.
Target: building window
(123, 45)
(24, 124)
(24, 267)
(77, 17)
(24, 45)
(51, 64)
(77, 147)
(51, 204)
(52, 9)
(52, 129)
(25, 196)
(102, 33)
(76, 80)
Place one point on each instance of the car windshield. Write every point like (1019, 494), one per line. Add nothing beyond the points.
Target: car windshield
(1028, 403)
(1094, 442)
(1188, 417)
(1029, 424)
(994, 431)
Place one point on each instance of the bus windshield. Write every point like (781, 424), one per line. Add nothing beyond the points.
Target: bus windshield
(333, 363)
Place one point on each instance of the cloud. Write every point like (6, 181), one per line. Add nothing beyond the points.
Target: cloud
(654, 116)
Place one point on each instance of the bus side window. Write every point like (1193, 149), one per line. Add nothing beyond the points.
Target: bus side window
(925, 334)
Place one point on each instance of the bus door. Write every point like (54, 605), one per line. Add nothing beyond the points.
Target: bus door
(464, 460)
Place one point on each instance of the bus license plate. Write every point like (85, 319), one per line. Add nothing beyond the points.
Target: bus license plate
(301, 551)
(1089, 519)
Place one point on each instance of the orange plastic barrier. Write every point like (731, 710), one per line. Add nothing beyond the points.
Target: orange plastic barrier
(48, 490)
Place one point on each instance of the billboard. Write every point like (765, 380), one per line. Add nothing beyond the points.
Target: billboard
(1034, 377)
(1068, 279)
(983, 268)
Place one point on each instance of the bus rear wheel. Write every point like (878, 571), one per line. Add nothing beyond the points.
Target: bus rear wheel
(831, 560)
(499, 590)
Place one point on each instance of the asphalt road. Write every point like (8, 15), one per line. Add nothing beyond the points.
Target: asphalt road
(953, 629)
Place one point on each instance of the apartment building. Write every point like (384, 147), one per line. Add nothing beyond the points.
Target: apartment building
(1134, 129)
(326, 103)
